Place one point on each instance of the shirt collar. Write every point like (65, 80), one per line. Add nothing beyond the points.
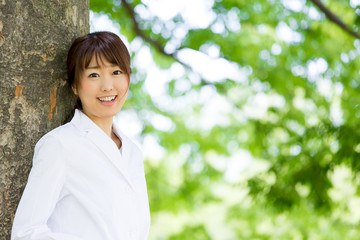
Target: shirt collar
(83, 122)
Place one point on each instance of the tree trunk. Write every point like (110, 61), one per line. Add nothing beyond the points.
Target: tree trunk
(35, 36)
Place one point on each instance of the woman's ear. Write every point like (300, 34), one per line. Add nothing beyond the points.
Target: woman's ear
(74, 89)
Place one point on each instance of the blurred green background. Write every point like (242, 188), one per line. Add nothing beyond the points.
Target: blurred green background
(248, 114)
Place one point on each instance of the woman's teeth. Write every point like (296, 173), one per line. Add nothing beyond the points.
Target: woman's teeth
(107, 99)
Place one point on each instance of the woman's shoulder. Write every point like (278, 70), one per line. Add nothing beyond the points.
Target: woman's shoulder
(60, 135)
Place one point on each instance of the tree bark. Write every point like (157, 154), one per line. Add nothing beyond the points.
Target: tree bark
(35, 36)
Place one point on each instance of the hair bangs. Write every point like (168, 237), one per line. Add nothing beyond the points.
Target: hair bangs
(100, 50)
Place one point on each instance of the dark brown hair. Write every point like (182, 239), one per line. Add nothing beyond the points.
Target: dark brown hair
(98, 44)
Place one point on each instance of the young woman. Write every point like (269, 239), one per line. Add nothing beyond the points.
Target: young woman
(87, 181)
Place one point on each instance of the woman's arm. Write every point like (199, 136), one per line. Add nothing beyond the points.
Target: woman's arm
(41, 194)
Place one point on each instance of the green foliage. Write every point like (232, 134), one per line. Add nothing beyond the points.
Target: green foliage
(196, 232)
(293, 111)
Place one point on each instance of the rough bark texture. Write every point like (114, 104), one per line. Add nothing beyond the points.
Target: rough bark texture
(34, 38)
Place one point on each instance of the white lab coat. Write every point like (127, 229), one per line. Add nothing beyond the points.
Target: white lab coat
(82, 187)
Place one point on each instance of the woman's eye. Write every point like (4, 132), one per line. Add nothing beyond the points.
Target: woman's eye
(93, 75)
(117, 72)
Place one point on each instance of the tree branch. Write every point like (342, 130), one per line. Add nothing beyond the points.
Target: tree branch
(139, 32)
(335, 19)
(154, 42)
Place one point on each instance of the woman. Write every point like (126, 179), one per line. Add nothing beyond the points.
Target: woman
(87, 181)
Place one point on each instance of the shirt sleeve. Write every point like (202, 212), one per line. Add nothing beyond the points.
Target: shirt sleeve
(42, 192)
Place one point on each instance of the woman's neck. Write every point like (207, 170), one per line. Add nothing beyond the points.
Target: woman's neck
(104, 123)
(106, 126)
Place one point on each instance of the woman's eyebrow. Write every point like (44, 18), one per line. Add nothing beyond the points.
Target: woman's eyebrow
(92, 67)
(97, 67)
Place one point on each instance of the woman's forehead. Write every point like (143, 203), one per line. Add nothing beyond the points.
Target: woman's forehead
(99, 61)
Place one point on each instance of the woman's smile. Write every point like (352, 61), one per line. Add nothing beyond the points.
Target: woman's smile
(107, 101)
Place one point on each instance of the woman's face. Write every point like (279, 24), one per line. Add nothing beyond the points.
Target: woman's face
(102, 89)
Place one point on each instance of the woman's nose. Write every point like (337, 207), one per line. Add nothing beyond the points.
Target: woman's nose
(107, 84)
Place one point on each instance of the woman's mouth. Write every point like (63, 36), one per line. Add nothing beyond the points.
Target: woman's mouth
(107, 99)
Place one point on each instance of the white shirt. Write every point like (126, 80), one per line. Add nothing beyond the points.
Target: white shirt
(81, 187)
